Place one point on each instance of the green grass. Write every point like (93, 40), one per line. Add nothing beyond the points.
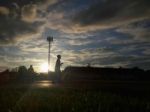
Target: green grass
(68, 100)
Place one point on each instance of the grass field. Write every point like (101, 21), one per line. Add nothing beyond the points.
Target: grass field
(73, 99)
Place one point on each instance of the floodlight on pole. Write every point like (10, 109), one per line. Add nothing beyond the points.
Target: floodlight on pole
(50, 40)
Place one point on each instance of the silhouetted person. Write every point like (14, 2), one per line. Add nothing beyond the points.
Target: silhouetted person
(57, 68)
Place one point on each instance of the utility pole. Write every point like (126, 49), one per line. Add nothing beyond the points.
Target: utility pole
(50, 40)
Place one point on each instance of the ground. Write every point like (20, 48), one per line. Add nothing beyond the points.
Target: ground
(45, 96)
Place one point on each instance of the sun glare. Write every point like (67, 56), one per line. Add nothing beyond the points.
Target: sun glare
(44, 67)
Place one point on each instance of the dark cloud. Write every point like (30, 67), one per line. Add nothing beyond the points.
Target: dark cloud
(11, 3)
(12, 29)
(119, 60)
(110, 57)
(111, 11)
(18, 19)
(138, 30)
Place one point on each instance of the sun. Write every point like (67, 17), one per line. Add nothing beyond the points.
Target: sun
(44, 67)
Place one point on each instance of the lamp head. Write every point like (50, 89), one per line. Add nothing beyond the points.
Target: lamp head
(50, 39)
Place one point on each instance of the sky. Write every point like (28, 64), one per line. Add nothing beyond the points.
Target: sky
(103, 33)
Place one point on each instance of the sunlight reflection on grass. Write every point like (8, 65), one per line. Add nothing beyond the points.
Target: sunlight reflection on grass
(43, 84)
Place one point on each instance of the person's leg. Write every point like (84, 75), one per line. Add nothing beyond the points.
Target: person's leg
(59, 77)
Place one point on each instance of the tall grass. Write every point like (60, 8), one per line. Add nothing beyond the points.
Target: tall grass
(21, 99)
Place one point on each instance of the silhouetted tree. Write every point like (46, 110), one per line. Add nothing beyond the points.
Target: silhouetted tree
(22, 73)
(22, 70)
(4, 76)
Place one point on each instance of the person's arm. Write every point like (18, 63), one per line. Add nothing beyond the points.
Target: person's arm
(61, 63)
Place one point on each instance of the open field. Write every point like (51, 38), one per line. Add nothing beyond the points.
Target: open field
(67, 98)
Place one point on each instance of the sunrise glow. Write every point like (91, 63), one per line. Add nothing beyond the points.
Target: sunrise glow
(44, 67)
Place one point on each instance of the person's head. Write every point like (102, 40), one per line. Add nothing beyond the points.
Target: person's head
(59, 56)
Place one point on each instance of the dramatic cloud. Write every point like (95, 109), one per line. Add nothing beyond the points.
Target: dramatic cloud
(18, 19)
(138, 30)
(75, 16)
(100, 32)
(107, 13)
(29, 13)
(11, 30)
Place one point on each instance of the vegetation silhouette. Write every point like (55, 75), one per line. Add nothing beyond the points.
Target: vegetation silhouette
(19, 74)
(74, 73)
(98, 73)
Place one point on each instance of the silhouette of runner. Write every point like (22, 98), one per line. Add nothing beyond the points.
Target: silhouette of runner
(57, 68)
